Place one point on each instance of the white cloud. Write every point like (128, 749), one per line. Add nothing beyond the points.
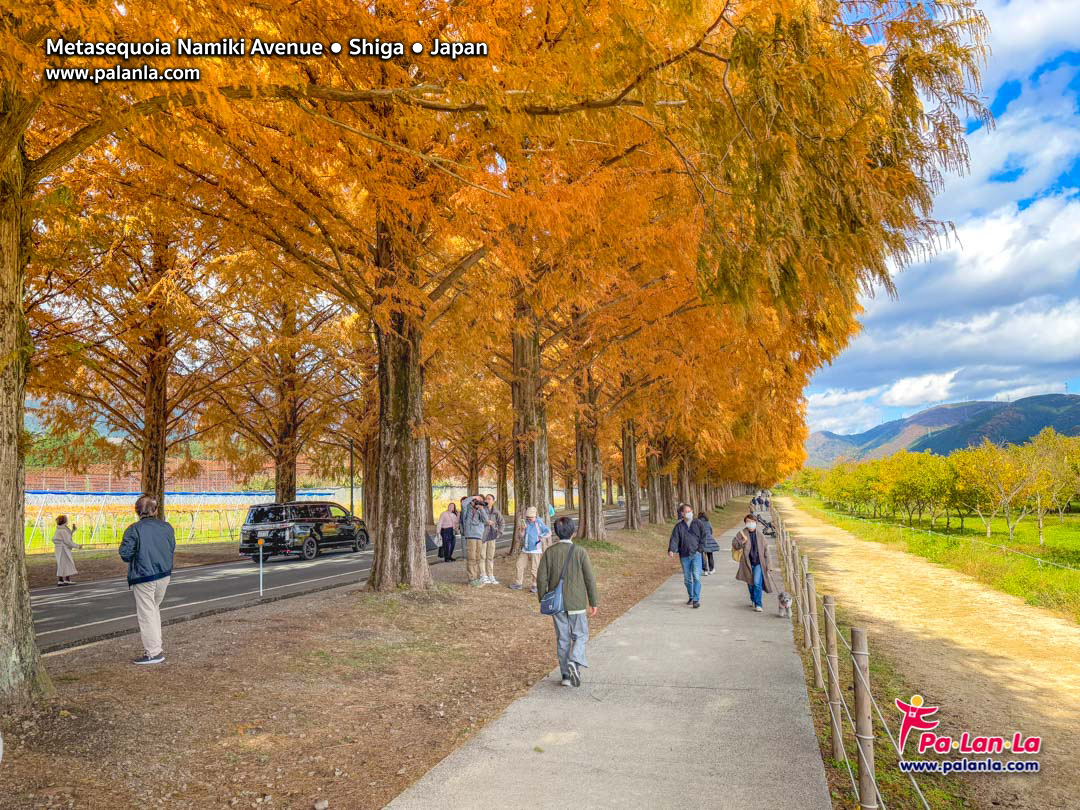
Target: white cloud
(834, 397)
(1029, 391)
(1036, 139)
(845, 420)
(996, 313)
(920, 390)
(1024, 33)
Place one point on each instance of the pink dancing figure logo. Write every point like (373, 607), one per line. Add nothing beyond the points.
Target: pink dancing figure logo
(915, 717)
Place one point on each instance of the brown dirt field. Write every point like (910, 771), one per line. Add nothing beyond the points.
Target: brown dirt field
(94, 564)
(994, 664)
(344, 695)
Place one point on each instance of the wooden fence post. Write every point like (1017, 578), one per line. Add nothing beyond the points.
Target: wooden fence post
(832, 661)
(815, 635)
(864, 723)
(805, 601)
(793, 571)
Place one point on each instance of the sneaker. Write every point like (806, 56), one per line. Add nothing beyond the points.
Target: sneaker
(575, 676)
(566, 682)
(476, 583)
(697, 605)
(689, 601)
(514, 587)
(532, 589)
(492, 581)
(147, 659)
(757, 608)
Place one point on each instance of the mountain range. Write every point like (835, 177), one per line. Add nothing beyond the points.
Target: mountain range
(945, 428)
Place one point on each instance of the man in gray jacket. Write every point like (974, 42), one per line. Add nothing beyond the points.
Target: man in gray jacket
(148, 548)
(492, 533)
(474, 519)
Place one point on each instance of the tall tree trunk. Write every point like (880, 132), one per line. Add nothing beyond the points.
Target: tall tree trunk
(429, 487)
(22, 676)
(286, 449)
(502, 473)
(551, 485)
(284, 477)
(472, 470)
(400, 557)
(631, 490)
(590, 469)
(369, 502)
(533, 477)
(155, 419)
(652, 481)
(667, 491)
(686, 487)
(568, 491)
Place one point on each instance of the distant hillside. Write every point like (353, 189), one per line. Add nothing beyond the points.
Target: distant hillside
(1015, 423)
(945, 428)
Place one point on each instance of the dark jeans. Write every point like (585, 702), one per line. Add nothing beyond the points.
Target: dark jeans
(708, 563)
(757, 586)
(446, 552)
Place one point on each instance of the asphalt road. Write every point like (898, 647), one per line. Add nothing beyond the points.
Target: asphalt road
(88, 612)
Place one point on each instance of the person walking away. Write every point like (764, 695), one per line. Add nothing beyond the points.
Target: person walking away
(473, 525)
(755, 560)
(580, 599)
(491, 535)
(708, 562)
(533, 535)
(148, 547)
(62, 545)
(447, 526)
(688, 541)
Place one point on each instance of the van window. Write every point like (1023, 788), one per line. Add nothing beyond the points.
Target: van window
(266, 514)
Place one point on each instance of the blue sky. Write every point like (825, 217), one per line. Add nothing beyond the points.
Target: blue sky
(995, 314)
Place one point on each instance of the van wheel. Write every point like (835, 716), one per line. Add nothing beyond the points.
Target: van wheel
(310, 550)
(361, 541)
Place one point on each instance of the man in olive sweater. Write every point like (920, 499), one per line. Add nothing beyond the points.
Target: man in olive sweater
(580, 599)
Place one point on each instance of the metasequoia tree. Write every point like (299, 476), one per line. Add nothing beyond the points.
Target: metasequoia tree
(812, 135)
(128, 337)
(290, 352)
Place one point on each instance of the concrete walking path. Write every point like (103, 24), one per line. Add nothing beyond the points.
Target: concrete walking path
(679, 708)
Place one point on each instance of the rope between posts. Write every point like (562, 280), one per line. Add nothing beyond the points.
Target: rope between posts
(847, 712)
(851, 722)
(834, 674)
(877, 709)
(847, 762)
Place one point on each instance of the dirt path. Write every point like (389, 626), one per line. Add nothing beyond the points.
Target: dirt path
(994, 664)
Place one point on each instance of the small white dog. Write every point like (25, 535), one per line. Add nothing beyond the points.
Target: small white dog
(785, 604)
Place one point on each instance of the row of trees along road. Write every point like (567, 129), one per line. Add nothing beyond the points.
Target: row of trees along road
(987, 480)
(638, 225)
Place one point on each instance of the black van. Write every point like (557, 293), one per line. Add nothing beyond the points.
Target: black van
(303, 528)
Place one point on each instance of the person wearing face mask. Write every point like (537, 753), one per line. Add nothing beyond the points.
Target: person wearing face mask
(688, 541)
(754, 560)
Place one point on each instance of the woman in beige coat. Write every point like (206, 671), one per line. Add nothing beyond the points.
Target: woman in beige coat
(755, 560)
(62, 542)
